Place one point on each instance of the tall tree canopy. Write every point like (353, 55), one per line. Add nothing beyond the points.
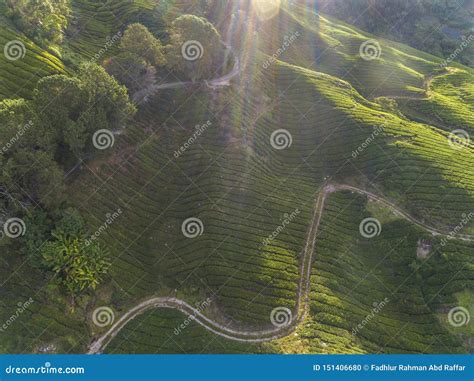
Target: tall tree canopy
(140, 53)
(42, 137)
(45, 21)
(138, 40)
(195, 49)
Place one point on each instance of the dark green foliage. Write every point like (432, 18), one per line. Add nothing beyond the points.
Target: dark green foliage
(140, 54)
(138, 41)
(204, 54)
(131, 71)
(108, 106)
(70, 222)
(80, 264)
(44, 21)
(39, 225)
(74, 108)
(33, 177)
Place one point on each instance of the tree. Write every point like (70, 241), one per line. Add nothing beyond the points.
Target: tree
(45, 21)
(195, 49)
(74, 108)
(138, 40)
(21, 128)
(33, 177)
(70, 222)
(140, 54)
(108, 104)
(61, 100)
(79, 266)
(39, 226)
(28, 173)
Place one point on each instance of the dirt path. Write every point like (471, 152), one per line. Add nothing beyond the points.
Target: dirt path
(434, 231)
(303, 288)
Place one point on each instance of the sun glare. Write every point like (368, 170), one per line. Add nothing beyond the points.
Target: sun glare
(266, 9)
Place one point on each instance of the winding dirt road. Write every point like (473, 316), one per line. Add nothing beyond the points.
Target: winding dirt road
(302, 303)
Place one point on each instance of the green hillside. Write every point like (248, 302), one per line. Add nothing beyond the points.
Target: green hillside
(27, 63)
(381, 124)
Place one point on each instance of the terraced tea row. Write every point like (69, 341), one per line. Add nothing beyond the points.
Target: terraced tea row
(22, 64)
